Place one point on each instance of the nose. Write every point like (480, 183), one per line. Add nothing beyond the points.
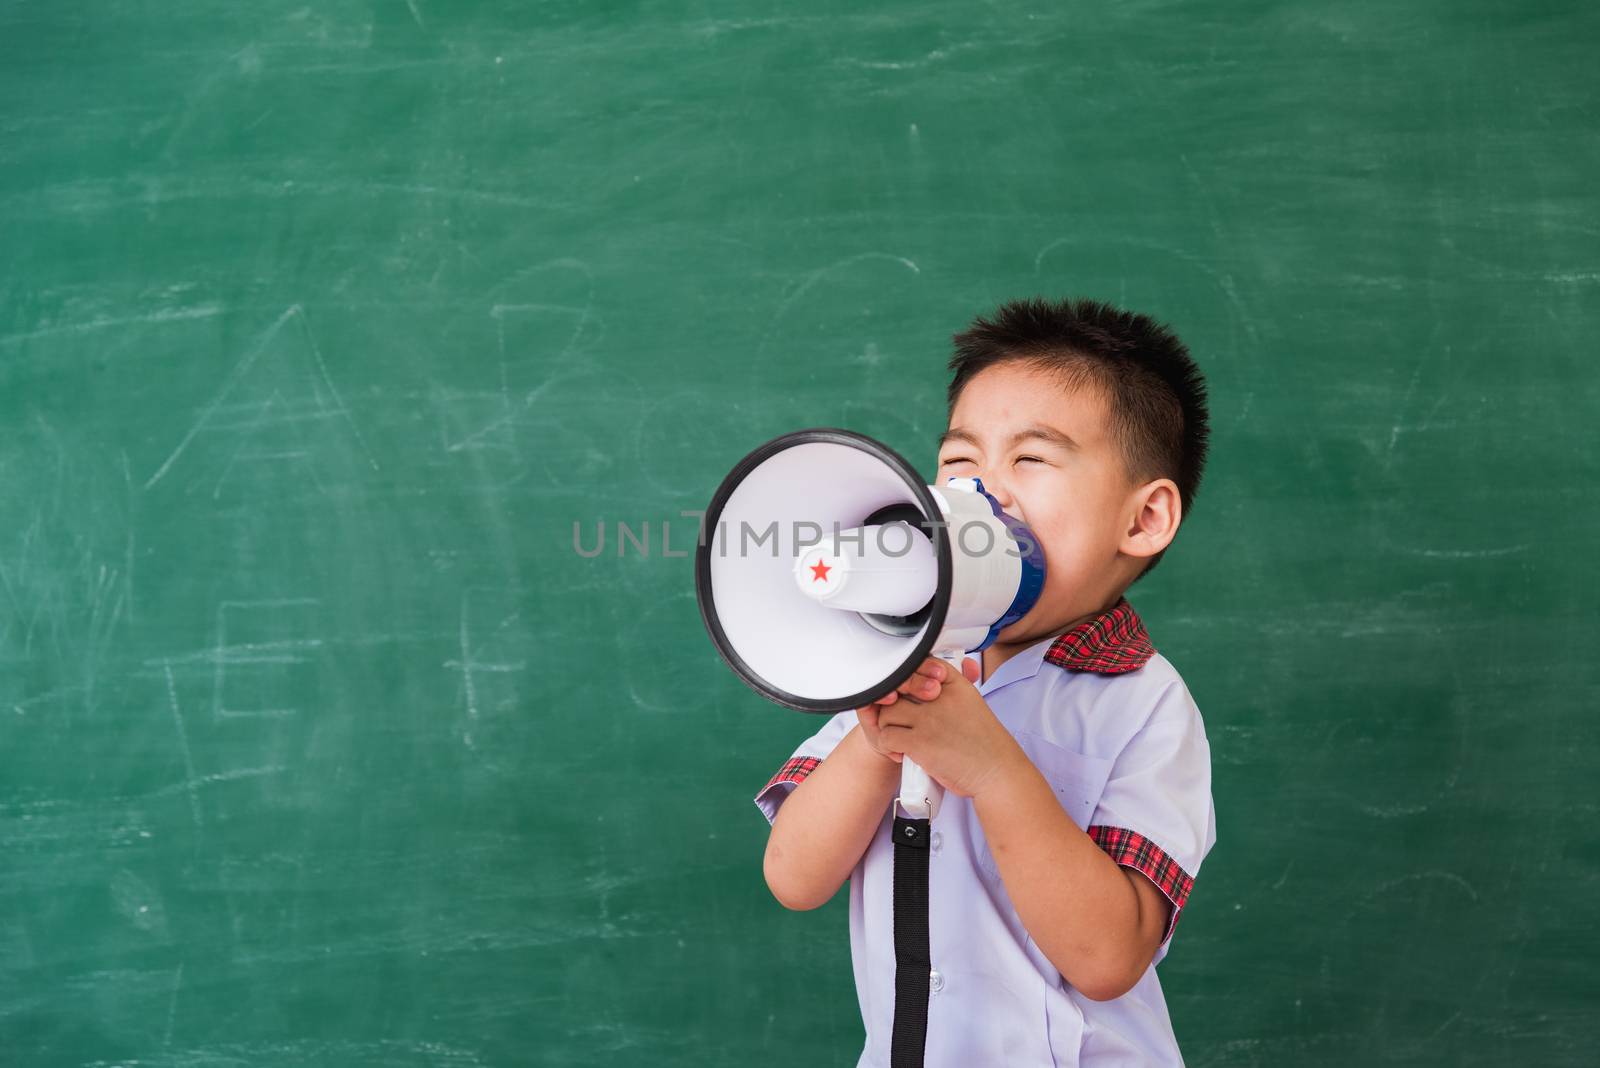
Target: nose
(1001, 493)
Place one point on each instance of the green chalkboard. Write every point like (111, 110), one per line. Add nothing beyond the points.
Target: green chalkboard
(322, 326)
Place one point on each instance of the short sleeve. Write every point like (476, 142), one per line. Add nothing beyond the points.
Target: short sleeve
(1155, 814)
(803, 762)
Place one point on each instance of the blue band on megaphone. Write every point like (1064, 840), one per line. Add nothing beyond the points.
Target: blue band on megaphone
(1031, 582)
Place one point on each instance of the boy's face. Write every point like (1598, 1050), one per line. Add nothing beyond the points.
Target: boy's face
(1074, 495)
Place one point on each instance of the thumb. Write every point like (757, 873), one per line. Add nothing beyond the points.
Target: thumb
(971, 669)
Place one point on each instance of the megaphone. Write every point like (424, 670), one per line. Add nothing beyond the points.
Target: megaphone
(828, 570)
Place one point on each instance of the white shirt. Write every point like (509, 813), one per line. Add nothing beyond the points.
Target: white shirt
(1110, 724)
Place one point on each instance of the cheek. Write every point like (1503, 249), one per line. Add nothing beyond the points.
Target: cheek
(1068, 517)
(1055, 533)
(1068, 542)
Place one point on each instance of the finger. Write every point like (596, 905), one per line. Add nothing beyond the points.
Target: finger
(897, 739)
(971, 669)
(920, 686)
(904, 714)
(867, 716)
(933, 668)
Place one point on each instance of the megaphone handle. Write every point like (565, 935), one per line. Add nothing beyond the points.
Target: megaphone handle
(920, 797)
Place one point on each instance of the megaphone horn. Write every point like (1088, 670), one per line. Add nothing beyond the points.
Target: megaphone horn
(827, 573)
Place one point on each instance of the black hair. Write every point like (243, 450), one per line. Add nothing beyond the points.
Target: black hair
(1156, 394)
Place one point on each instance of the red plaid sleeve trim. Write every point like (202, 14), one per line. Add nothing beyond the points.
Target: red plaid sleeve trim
(1133, 850)
(794, 770)
(1111, 643)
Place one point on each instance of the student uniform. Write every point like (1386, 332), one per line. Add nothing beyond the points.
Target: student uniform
(1111, 726)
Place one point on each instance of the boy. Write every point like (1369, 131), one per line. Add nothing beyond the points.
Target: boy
(1077, 773)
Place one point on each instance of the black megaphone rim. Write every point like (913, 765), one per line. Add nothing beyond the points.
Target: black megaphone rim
(941, 540)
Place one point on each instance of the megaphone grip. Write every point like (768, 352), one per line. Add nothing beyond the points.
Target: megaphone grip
(920, 797)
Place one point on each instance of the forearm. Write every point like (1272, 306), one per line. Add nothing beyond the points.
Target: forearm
(827, 822)
(1080, 908)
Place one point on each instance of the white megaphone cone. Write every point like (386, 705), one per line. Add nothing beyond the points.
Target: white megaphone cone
(827, 571)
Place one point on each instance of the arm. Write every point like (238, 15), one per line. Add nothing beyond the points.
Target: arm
(1098, 923)
(826, 823)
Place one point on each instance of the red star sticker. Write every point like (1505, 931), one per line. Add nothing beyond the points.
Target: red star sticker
(819, 570)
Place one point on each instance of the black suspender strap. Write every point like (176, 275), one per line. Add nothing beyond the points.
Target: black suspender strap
(911, 955)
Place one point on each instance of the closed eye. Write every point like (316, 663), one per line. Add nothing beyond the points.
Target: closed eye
(964, 460)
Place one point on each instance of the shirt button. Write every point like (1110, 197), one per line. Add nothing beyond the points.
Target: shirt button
(935, 981)
(938, 840)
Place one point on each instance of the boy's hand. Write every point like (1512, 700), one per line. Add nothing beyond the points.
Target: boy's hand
(925, 684)
(954, 735)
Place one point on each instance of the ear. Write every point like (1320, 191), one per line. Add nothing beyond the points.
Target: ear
(1154, 512)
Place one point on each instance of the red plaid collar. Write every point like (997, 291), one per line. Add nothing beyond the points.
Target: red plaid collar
(1111, 643)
